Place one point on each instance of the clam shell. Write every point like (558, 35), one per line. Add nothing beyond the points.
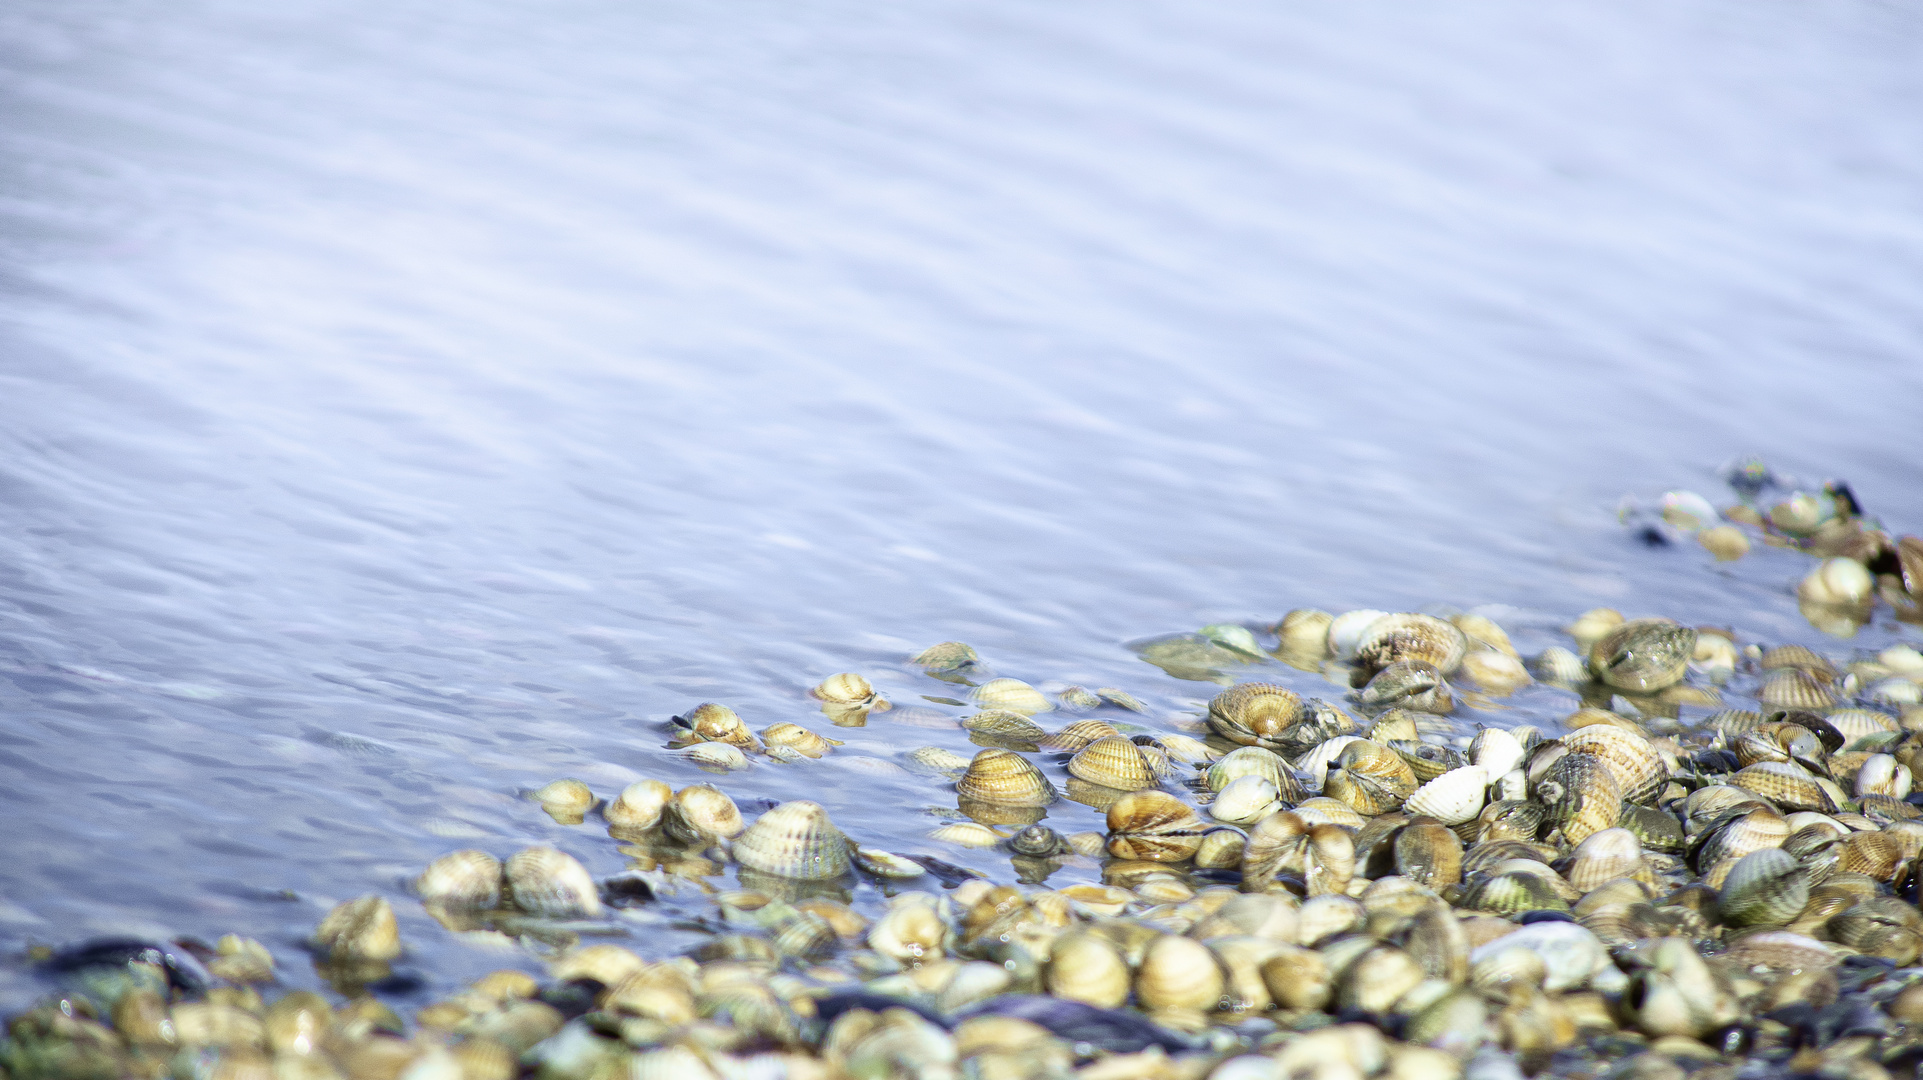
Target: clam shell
(1501, 971)
(1305, 632)
(1494, 671)
(702, 813)
(1316, 761)
(1012, 695)
(1506, 894)
(946, 656)
(1592, 626)
(1254, 761)
(1254, 714)
(1409, 684)
(1370, 778)
(566, 801)
(1764, 888)
(1154, 826)
(1277, 844)
(461, 880)
(1246, 800)
(1796, 656)
(794, 840)
(1077, 735)
(1580, 796)
(911, 930)
(717, 755)
(1377, 980)
(1749, 830)
(1643, 655)
(1854, 724)
(1882, 774)
(1451, 798)
(1084, 966)
(1509, 819)
(546, 882)
(1326, 811)
(1838, 581)
(1795, 688)
(1179, 973)
(936, 759)
(1331, 859)
(1325, 917)
(1005, 777)
(797, 738)
(1875, 854)
(1481, 628)
(1658, 830)
(887, 864)
(1394, 725)
(710, 722)
(1005, 724)
(1116, 762)
(1408, 636)
(1639, 769)
(1220, 849)
(1427, 760)
(967, 834)
(1183, 748)
(640, 804)
(1786, 784)
(848, 691)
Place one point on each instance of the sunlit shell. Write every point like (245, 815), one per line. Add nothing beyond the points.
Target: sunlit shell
(1245, 800)
(1766, 888)
(1428, 853)
(1786, 784)
(640, 804)
(1452, 798)
(1117, 762)
(1409, 684)
(1745, 832)
(1427, 760)
(1882, 774)
(1510, 819)
(1254, 714)
(1875, 854)
(794, 840)
(1409, 636)
(967, 834)
(1370, 778)
(1795, 688)
(1012, 695)
(1507, 894)
(1347, 629)
(1604, 856)
(1643, 655)
(1077, 735)
(1003, 776)
(1005, 724)
(1657, 830)
(1377, 979)
(1592, 626)
(1076, 697)
(798, 738)
(1838, 582)
(1558, 666)
(1305, 632)
(566, 801)
(1496, 750)
(709, 722)
(1220, 849)
(717, 755)
(1501, 972)
(461, 879)
(911, 931)
(1185, 749)
(1494, 671)
(1153, 825)
(1331, 859)
(1327, 811)
(702, 813)
(848, 691)
(1084, 966)
(1178, 973)
(946, 656)
(1393, 725)
(1580, 796)
(887, 864)
(1316, 762)
(359, 929)
(1726, 542)
(1861, 723)
(551, 883)
(1639, 769)
(1247, 761)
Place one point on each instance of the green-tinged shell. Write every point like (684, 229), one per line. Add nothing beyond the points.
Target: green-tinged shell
(1011, 695)
(887, 864)
(1409, 684)
(1580, 796)
(946, 656)
(1766, 888)
(1038, 842)
(1370, 778)
(1118, 762)
(1658, 830)
(1507, 894)
(794, 840)
(546, 882)
(1408, 636)
(1005, 724)
(1255, 714)
(1003, 776)
(1643, 655)
(1077, 735)
(1640, 771)
(1509, 819)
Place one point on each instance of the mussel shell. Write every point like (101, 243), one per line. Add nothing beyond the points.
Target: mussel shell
(794, 840)
(1643, 655)
(1005, 777)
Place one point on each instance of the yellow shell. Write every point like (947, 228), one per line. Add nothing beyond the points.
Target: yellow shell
(1370, 778)
(1005, 724)
(1786, 784)
(1003, 776)
(1796, 688)
(1276, 844)
(1116, 762)
(1153, 825)
(1605, 856)
(461, 879)
(1796, 656)
(1084, 966)
(1254, 714)
(1220, 849)
(360, 929)
(848, 691)
(967, 834)
(566, 801)
(946, 656)
(1178, 973)
(709, 722)
(1765, 888)
(1643, 655)
(1592, 626)
(798, 738)
(1305, 632)
(1408, 636)
(1726, 542)
(702, 813)
(1012, 695)
(1640, 771)
(639, 805)
(1481, 628)
(1409, 684)
(1452, 798)
(794, 840)
(1428, 853)
(1077, 735)
(551, 883)
(1580, 796)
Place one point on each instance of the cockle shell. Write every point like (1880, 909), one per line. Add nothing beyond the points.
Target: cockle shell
(1278, 843)
(1005, 725)
(1786, 784)
(1220, 849)
(1639, 769)
(1316, 762)
(1481, 628)
(461, 880)
(1370, 778)
(1409, 636)
(547, 882)
(1245, 800)
(1347, 629)
(1881, 774)
(709, 722)
(1331, 859)
(702, 813)
(1765, 888)
(1178, 973)
(360, 929)
(946, 656)
(936, 759)
(848, 691)
(1428, 853)
(1452, 798)
(1305, 632)
(967, 834)
(1580, 796)
(1743, 832)
(1795, 688)
(1409, 684)
(1185, 749)
(911, 931)
(1427, 760)
(798, 738)
(566, 801)
(1643, 655)
(1561, 667)
(1327, 811)
(1510, 819)
(1246, 761)
(1255, 714)
(717, 755)
(1605, 856)
(1154, 826)
(1839, 582)
(1117, 762)
(1003, 776)
(640, 804)
(1496, 750)
(1012, 695)
(1077, 735)
(1592, 626)
(794, 840)
(1494, 671)
(1084, 966)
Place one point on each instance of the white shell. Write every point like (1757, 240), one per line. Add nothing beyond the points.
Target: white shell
(1452, 798)
(1558, 665)
(1346, 629)
(1495, 750)
(1837, 581)
(1245, 800)
(1897, 691)
(1570, 954)
(1512, 785)
(1316, 761)
(1882, 774)
(1688, 511)
(1901, 659)
(717, 754)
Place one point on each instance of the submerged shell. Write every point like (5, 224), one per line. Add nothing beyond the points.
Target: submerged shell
(1012, 695)
(640, 804)
(717, 755)
(359, 929)
(1154, 826)
(937, 759)
(1255, 714)
(1452, 798)
(967, 834)
(1117, 762)
(1409, 636)
(1643, 655)
(1639, 769)
(710, 722)
(798, 738)
(1409, 684)
(848, 691)
(547, 882)
(461, 879)
(946, 656)
(794, 840)
(1003, 776)
(1038, 842)
(1077, 735)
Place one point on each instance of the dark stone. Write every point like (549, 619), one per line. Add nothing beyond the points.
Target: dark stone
(1531, 917)
(1082, 1025)
(184, 972)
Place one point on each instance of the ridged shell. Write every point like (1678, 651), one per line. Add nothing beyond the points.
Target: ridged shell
(1766, 888)
(1254, 761)
(640, 804)
(798, 738)
(794, 840)
(848, 691)
(1185, 749)
(1874, 854)
(709, 722)
(359, 929)
(566, 801)
(461, 880)
(1277, 844)
(1326, 811)
(1603, 857)
(1408, 636)
(1220, 849)
(551, 883)
(1580, 796)
(1746, 831)
(1796, 656)
(1496, 750)
(1003, 776)
(1409, 684)
(1012, 695)
(1427, 760)
(1510, 819)
(1245, 800)
(1078, 735)
(717, 755)
(1560, 667)
(1452, 798)
(967, 834)
(1795, 688)
(1116, 762)
(1254, 714)
(1786, 784)
(1506, 894)
(1856, 724)
(1643, 655)
(702, 813)
(1305, 631)
(1316, 762)
(1639, 769)
(1370, 778)
(936, 759)
(946, 656)
(1005, 724)
(1154, 826)
(1084, 966)
(1347, 629)
(1428, 853)
(1178, 973)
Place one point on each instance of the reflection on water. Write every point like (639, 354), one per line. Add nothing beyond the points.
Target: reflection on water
(401, 413)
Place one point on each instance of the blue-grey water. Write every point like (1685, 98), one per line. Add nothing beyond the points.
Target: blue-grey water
(406, 404)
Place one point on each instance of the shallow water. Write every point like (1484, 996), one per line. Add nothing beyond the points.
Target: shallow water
(401, 413)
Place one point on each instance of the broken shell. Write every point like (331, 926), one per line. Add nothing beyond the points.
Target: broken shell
(1005, 777)
(1245, 800)
(1452, 798)
(1370, 778)
(702, 814)
(1765, 888)
(461, 880)
(1154, 826)
(1409, 636)
(1084, 966)
(1077, 735)
(1012, 695)
(1254, 714)
(1409, 684)
(794, 840)
(360, 929)
(546, 882)
(1639, 769)
(1117, 762)
(797, 738)
(1643, 655)
(639, 805)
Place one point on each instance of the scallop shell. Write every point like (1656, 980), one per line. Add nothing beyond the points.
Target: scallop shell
(1077, 735)
(1643, 655)
(794, 840)
(1640, 771)
(1452, 798)
(709, 722)
(1178, 973)
(1580, 796)
(1347, 629)
(1255, 714)
(1795, 688)
(1003, 776)
(1765, 888)
(1409, 684)
(1084, 966)
(640, 804)
(1254, 761)
(1786, 784)
(1012, 695)
(1559, 666)
(1496, 750)
(848, 691)
(1408, 636)
(1154, 826)
(798, 738)
(1370, 778)
(551, 883)
(461, 880)
(1245, 800)
(1116, 762)
(702, 813)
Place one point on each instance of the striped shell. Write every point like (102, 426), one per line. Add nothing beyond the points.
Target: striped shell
(1003, 776)
(1254, 714)
(566, 801)
(1409, 684)
(1747, 831)
(1153, 826)
(848, 691)
(639, 805)
(1496, 750)
(1559, 666)
(1580, 796)
(1786, 784)
(1428, 853)
(551, 883)
(1370, 778)
(1639, 769)
(1317, 761)
(967, 834)
(1411, 637)
(461, 879)
(1427, 760)
(1857, 724)
(1178, 973)
(1004, 724)
(1766, 888)
(1305, 632)
(794, 840)
(1603, 857)
(1796, 688)
(946, 656)
(1453, 797)
(702, 813)
(360, 929)
(1012, 695)
(1116, 762)
(1796, 656)
(1077, 735)
(1643, 655)
(1328, 811)
(798, 738)
(1220, 849)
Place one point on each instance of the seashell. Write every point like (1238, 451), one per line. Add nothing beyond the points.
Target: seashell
(1077, 735)
(1116, 762)
(1580, 796)
(1439, 944)
(1409, 684)
(1370, 778)
(1276, 844)
(1246, 761)
(1795, 688)
(1746, 831)
(1786, 784)
(1220, 849)
(936, 759)
(1178, 973)
(1496, 750)
(1077, 698)
(1882, 774)
(1502, 971)
(1603, 857)
(1592, 626)
(1245, 800)
(1453, 797)
(967, 834)
(1558, 666)
(566, 801)
(1005, 725)
(1007, 778)
(359, 929)
(461, 880)
(1657, 830)
(1484, 630)
(1796, 656)
(640, 804)
(1494, 671)
(717, 755)
(1840, 582)
(1643, 655)
(1377, 980)
(1855, 724)
(1427, 760)
(797, 738)
(1883, 811)
(1347, 629)
(210, 1024)
(1154, 826)
(1326, 811)
(1409, 636)
(1084, 966)
(1429, 854)
(947, 656)
(1726, 542)
(1316, 761)
(702, 814)
(794, 840)
(1640, 772)
(1011, 695)
(1507, 894)
(1331, 859)
(1687, 510)
(1394, 725)
(1875, 854)
(910, 931)
(1764, 888)
(1305, 632)
(608, 965)
(1895, 691)
(1510, 819)
(1255, 714)
(887, 864)
(709, 722)
(553, 884)
(1038, 842)
(848, 692)
(1182, 748)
